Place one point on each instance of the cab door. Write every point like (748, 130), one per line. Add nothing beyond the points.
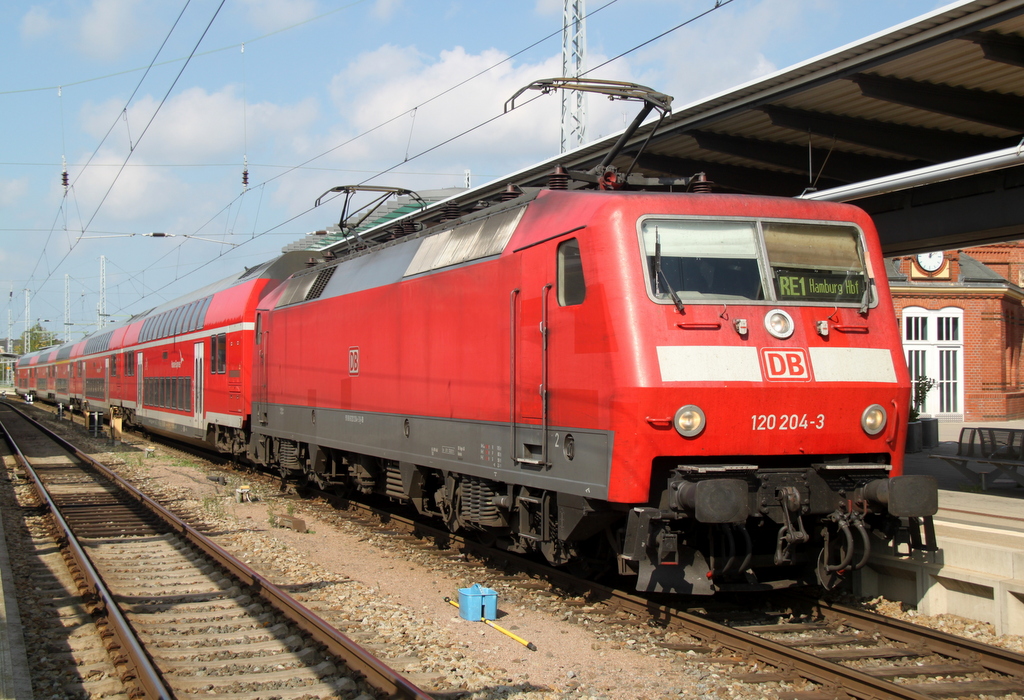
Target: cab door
(529, 305)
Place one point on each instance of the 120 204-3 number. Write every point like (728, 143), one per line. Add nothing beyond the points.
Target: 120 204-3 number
(786, 421)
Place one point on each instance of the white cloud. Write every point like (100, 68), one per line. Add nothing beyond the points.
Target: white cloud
(110, 27)
(195, 126)
(276, 14)
(548, 7)
(721, 50)
(139, 192)
(390, 81)
(386, 9)
(37, 22)
(13, 192)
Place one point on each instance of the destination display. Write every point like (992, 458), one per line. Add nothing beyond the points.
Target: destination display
(819, 285)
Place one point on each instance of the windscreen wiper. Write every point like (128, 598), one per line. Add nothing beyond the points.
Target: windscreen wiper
(659, 274)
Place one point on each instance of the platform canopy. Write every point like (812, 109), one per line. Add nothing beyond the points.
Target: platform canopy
(921, 125)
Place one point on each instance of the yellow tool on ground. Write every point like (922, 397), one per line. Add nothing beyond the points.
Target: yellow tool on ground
(529, 645)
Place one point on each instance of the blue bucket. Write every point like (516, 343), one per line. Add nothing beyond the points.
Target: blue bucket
(477, 602)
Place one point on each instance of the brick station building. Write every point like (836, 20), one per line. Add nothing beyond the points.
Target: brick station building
(961, 314)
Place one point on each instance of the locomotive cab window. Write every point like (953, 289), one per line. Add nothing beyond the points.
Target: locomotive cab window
(722, 261)
(712, 260)
(572, 288)
(811, 262)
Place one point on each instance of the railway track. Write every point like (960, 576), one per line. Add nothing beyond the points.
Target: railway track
(179, 616)
(835, 651)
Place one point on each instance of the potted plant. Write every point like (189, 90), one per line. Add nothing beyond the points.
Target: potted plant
(915, 427)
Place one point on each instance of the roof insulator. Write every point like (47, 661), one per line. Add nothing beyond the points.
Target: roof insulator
(511, 192)
(700, 183)
(559, 179)
(451, 211)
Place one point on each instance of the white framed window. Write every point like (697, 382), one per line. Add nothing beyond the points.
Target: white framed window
(934, 348)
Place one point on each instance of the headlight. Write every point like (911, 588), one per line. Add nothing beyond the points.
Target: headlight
(689, 421)
(873, 419)
(779, 323)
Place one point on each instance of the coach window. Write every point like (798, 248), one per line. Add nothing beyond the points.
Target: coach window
(214, 342)
(572, 288)
(113, 365)
(129, 363)
(222, 354)
(218, 353)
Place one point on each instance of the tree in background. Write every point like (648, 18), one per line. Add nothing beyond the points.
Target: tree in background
(38, 337)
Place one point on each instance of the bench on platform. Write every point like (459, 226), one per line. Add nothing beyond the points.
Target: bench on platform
(1001, 448)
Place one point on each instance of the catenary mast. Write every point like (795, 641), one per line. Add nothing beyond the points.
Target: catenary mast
(574, 59)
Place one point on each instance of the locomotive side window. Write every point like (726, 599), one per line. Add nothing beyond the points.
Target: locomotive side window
(701, 259)
(572, 288)
(811, 262)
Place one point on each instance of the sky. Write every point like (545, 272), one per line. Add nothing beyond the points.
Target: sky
(155, 106)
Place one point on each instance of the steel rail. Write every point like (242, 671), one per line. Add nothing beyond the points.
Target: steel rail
(827, 673)
(831, 675)
(141, 670)
(993, 658)
(377, 673)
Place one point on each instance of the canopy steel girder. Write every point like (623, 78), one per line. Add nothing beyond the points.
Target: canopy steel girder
(737, 178)
(1000, 47)
(839, 165)
(930, 145)
(981, 106)
(958, 95)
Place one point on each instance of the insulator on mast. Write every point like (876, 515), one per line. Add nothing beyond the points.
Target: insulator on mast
(245, 172)
(64, 173)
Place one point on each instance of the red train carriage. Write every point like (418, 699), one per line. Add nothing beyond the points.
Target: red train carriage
(710, 385)
(183, 369)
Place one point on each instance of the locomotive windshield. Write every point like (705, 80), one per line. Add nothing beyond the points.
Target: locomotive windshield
(721, 260)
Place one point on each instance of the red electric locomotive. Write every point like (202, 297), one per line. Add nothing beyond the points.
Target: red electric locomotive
(707, 390)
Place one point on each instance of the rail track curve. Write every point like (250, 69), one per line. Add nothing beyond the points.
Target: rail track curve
(185, 618)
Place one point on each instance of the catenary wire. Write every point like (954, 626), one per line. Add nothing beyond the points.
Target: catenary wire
(718, 5)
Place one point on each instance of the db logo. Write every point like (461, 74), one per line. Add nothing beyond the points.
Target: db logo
(353, 361)
(785, 365)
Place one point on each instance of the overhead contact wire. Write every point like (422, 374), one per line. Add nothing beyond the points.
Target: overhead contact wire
(718, 4)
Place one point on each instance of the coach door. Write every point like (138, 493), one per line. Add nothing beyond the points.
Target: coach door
(198, 384)
(139, 384)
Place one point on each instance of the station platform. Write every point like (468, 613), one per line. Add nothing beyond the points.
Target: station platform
(977, 571)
